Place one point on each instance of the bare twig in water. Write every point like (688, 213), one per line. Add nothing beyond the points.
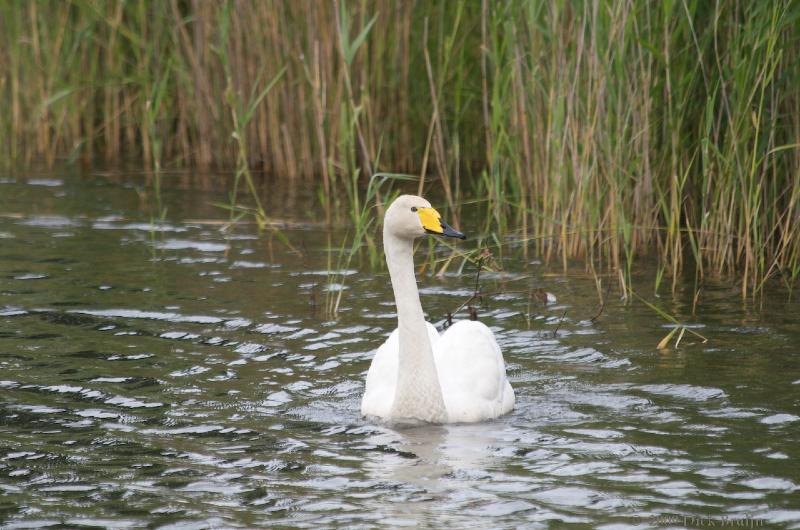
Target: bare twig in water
(476, 291)
(602, 305)
(599, 312)
(483, 256)
(560, 320)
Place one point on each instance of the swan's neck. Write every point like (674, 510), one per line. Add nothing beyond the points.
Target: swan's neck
(418, 395)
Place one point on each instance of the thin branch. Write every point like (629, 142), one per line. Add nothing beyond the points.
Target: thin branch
(555, 331)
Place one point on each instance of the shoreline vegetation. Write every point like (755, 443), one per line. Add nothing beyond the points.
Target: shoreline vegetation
(592, 130)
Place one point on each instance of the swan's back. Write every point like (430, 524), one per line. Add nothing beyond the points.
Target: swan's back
(472, 373)
(470, 369)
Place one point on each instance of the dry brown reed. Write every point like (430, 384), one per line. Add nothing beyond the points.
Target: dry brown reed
(596, 129)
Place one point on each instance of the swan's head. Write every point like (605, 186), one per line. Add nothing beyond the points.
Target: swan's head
(410, 217)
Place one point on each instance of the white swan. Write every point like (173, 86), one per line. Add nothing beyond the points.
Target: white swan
(418, 375)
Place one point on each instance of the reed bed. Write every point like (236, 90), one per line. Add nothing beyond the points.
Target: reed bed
(589, 129)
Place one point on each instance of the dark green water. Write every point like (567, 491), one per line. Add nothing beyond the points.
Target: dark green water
(182, 378)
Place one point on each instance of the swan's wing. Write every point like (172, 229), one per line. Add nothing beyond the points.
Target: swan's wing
(382, 379)
(382, 375)
(472, 373)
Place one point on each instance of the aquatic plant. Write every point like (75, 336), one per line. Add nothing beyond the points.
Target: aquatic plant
(362, 220)
(595, 130)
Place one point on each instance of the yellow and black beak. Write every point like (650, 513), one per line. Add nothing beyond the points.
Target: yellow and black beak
(433, 224)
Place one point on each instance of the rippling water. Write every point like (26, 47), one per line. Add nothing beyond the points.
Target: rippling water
(173, 376)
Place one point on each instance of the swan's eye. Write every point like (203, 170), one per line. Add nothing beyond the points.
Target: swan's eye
(413, 208)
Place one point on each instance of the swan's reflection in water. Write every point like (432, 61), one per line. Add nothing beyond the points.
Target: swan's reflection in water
(434, 463)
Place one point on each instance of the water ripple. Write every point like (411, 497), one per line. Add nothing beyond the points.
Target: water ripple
(169, 375)
(152, 315)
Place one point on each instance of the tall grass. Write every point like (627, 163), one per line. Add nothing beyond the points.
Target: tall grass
(591, 129)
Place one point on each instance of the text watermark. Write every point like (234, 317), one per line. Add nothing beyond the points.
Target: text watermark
(698, 521)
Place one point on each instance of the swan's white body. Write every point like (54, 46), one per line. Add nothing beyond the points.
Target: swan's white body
(418, 374)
